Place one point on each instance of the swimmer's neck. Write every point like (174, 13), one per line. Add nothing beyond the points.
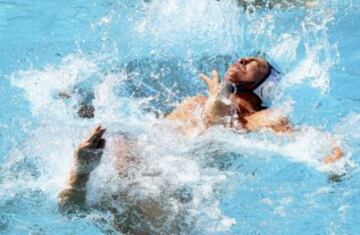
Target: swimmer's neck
(246, 103)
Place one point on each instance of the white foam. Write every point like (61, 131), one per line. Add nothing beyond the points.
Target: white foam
(307, 145)
(191, 22)
(42, 86)
(285, 48)
(52, 143)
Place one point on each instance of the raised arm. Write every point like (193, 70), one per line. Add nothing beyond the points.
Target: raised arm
(87, 157)
(215, 109)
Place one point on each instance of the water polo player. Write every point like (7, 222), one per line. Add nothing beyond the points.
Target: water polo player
(246, 85)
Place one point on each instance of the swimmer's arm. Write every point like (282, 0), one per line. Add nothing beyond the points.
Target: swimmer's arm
(73, 197)
(87, 157)
(268, 118)
(215, 109)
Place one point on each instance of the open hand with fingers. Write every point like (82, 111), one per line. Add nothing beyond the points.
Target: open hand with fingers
(213, 84)
(89, 153)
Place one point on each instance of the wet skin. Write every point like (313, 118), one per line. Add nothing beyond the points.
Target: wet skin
(250, 114)
(247, 71)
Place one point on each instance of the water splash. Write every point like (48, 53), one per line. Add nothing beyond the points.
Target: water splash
(171, 42)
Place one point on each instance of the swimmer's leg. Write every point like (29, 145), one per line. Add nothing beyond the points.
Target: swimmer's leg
(87, 157)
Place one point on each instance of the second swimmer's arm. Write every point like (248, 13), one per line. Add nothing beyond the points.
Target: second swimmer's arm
(87, 157)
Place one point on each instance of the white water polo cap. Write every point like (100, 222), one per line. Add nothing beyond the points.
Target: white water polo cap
(264, 90)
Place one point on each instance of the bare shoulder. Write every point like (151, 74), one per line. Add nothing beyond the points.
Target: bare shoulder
(194, 100)
(187, 107)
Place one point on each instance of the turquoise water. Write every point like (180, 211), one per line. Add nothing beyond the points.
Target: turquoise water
(139, 59)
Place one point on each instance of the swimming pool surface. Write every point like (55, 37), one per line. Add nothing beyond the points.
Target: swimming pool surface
(134, 60)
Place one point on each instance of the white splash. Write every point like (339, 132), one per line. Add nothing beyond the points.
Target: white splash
(42, 87)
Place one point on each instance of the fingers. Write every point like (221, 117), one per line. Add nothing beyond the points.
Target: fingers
(84, 145)
(101, 133)
(99, 142)
(205, 78)
(96, 134)
(215, 76)
(93, 134)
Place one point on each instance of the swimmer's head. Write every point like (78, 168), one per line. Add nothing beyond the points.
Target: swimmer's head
(248, 72)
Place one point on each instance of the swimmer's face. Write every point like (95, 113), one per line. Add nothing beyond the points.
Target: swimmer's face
(247, 71)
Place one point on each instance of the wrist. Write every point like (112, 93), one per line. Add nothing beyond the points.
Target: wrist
(83, 168)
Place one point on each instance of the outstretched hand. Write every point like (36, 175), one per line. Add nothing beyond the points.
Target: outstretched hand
(89, 153)
(213, 84)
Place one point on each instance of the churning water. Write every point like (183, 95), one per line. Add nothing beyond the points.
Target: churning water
(134, 61)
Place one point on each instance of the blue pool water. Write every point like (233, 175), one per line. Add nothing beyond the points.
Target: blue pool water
(138, 59)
